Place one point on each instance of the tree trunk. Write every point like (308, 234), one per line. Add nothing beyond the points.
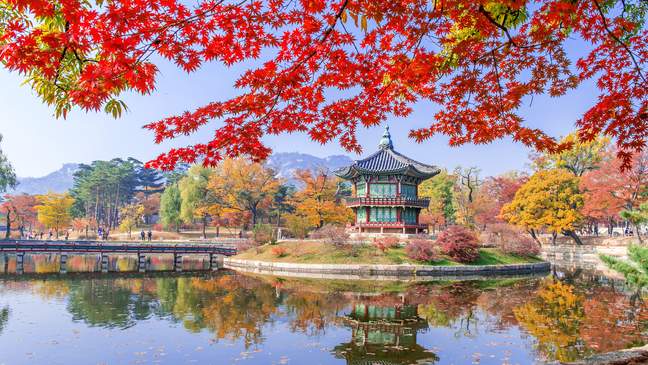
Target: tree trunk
(218, 231)
(533, 235)
(554, 235)
(8, 227)
(574, 236)
(637, 227)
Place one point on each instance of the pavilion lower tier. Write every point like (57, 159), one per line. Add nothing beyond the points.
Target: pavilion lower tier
(389, 227)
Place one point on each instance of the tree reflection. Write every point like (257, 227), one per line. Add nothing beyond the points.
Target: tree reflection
(4, 318)
(554, 317)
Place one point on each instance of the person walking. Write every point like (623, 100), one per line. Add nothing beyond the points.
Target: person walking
(143, 235)
(150, 235)
(67, 234)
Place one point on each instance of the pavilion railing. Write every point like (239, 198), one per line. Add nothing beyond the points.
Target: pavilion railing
(388, 201)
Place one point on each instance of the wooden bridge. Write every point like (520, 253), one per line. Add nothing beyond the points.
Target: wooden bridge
(216, 252)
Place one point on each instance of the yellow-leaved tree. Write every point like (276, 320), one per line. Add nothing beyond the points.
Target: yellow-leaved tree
(579, 159)
(318, 201)
(242, 186)
(550, 200)
(54, 210)
(130, 216)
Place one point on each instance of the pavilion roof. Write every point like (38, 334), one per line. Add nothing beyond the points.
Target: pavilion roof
(387, 162)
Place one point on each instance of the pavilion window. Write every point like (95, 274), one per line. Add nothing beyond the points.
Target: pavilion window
(408, 191)
(361, 189)
(361, 215)
(382, 214)
(409, 216)
(382, 190)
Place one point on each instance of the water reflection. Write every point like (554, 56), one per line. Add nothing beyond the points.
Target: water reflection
(356, 322)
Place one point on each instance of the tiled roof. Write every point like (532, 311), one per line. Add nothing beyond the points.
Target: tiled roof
(388, 161)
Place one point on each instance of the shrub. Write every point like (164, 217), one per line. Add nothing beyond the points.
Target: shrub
(422, 250)
(338, 236)
(263, 233)
(513, 241)
(279, 251)
(459, 243)
(385, 243)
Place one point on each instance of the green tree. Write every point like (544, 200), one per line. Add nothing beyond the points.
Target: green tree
(7, 174)
(636, 217)
(197, 201)
(439, 190)
(635, 271)
(170, 206)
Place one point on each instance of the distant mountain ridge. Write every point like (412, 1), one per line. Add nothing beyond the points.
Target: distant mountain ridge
(285, 164)
(58, 181)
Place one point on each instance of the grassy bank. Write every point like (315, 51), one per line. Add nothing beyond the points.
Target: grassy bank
(324, 253)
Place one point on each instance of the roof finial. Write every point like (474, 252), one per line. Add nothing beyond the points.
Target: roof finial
(385, 141)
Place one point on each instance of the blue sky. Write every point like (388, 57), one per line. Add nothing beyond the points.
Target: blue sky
(37, 143)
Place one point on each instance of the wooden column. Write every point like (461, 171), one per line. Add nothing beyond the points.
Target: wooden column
(20, 263)
(141, 263)
(216, 261)
(6, 263)
(104, 263)
(63, 262)
(177, 262)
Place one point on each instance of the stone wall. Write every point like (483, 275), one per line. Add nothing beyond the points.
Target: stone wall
(585, 257)
(393, 271)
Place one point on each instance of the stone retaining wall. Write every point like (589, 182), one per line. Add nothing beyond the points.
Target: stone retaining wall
(381, 271)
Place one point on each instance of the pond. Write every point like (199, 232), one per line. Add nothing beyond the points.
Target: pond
(231, 318)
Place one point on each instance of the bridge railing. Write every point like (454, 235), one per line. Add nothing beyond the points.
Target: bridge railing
(108, 247)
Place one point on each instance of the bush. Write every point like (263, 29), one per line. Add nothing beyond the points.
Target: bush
(279, 251)
(263, 233)
(332, 234)
(385, 243)
(459, 243)
(422, 250)
(512, 240)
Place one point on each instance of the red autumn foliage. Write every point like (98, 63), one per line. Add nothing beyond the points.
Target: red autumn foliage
(608, 190)
(494, 193)
(385, 243)
(460, 243)
(297, 52)
(422, 250)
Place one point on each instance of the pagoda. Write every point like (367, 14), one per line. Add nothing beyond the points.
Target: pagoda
(385, 191)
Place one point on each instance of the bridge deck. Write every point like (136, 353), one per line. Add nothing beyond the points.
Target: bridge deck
(24, 246)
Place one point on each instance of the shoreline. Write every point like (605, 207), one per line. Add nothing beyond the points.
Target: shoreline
(386, 272)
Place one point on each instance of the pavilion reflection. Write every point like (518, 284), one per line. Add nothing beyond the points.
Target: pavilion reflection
(384, 334)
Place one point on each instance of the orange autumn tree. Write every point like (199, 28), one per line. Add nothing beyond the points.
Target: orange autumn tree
(550, 200)
(19, 209)
(327, 68)
(318, 202)
(242, 186)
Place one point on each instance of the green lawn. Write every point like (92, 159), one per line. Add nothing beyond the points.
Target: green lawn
(323, 253)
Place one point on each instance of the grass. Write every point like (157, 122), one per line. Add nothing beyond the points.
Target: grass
(324, 253)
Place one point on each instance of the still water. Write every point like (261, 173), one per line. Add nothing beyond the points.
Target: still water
(230, 318)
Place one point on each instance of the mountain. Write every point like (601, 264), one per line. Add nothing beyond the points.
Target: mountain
(285, 164)
(58, 181)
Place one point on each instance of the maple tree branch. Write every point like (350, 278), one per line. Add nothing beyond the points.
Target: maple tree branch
(488, 16)
(619, 41)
